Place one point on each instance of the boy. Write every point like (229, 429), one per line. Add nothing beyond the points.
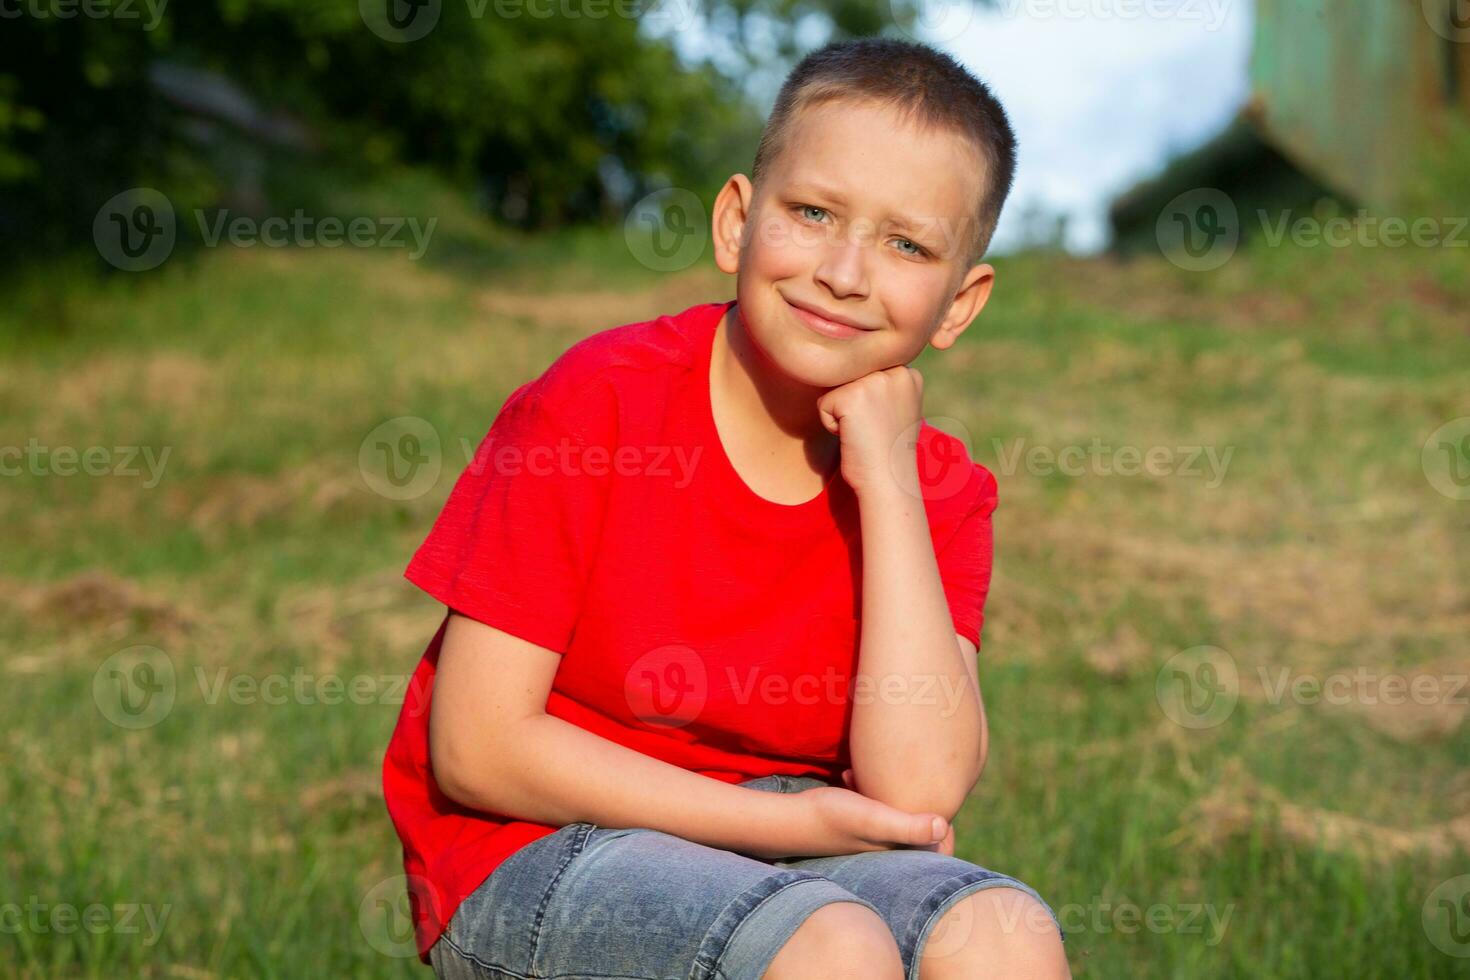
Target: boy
(715, 593)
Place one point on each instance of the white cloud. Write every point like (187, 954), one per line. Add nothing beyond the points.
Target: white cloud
(1097, 102)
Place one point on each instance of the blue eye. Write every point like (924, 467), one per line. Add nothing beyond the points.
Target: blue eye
(809, 207)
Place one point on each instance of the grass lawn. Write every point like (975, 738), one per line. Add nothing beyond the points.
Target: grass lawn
(228, 558)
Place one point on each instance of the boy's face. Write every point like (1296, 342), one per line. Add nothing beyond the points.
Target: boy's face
(865, 218)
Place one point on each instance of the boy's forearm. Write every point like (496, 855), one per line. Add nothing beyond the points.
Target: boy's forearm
(559, 773)
(908, 638)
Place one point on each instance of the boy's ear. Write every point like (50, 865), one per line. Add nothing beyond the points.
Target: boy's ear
(729, 220)
(965, 307)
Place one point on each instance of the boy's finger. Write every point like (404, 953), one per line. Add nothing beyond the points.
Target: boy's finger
(917, 829)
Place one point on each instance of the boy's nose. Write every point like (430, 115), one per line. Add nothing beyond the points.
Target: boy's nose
(844, 269)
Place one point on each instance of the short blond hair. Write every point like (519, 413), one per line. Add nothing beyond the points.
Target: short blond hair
(925, 86)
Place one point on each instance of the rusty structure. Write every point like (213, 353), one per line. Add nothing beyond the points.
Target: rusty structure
(1344, 96)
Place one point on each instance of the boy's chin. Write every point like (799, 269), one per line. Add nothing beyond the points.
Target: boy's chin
(817, 368)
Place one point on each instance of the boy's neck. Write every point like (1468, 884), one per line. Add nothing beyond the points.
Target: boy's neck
(769, 408)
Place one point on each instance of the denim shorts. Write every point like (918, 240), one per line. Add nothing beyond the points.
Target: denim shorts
(639, 904)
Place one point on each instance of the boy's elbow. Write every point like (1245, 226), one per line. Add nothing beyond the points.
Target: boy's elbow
(448, 777)
(457, 778)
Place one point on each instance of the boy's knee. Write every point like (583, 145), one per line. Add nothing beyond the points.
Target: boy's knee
(995, 932)
(840, 939)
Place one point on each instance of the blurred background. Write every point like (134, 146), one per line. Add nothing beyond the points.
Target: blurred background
(268, 269)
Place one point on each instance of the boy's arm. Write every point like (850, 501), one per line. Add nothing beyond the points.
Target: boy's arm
(909, 646)
(493, 748)
(917, 676)
(560, 774)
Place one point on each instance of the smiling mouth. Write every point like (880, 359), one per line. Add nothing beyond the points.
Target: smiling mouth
(825, 327)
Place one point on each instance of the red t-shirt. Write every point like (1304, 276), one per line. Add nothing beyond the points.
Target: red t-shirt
(698, 622)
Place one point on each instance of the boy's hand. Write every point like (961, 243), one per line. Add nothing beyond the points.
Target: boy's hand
(842, 821)
(877, 420)
(945, 846)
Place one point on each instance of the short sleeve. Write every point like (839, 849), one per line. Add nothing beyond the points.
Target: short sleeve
(515, 541)
(965, 559)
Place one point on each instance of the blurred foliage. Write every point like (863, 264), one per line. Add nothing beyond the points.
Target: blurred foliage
(552, 112)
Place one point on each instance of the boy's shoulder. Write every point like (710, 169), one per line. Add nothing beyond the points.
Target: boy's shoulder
(952, 482)
(628, 356)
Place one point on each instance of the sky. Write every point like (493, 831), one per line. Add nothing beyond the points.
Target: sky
(1100, 93)
(1100, 101)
